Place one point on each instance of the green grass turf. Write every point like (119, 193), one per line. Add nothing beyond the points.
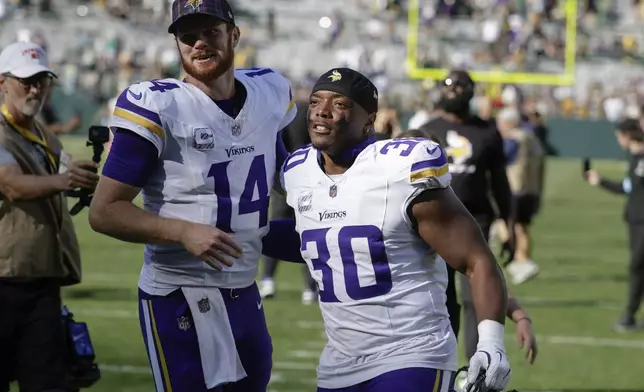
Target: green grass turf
(580, 244)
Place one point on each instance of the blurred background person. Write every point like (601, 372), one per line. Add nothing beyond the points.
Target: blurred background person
(524, 162)
(387, 121)
(631, 138)
(49, 118)
(478, 168)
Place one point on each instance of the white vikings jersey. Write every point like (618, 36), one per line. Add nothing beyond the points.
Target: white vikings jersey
(212, 169)
(382, 288)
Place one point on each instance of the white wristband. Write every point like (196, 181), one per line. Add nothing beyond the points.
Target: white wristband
(491, 331)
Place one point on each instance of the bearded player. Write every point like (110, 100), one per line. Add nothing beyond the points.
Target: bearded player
(204, 151)
(373, 216)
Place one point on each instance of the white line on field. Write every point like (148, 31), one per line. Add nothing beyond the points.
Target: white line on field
(304, 354)
(569, 302)
(317, 344)
(281, 365)
(276, 377)
(124, 369)
(303, 324)
(569, 340)
(106, 313)
(111, 277)
(593, 342)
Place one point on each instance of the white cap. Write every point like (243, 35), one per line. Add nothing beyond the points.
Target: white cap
(509, 96)
(23, 60)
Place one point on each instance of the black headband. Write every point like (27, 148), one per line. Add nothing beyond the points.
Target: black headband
(352, 84)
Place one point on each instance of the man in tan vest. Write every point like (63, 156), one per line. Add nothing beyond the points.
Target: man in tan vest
(38, 248)
(524, 156)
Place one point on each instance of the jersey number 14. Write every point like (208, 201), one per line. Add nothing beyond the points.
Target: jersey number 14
(256, 180)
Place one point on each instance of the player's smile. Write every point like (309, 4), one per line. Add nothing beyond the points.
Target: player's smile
(204, 57)
(321, 128)
(206, 60)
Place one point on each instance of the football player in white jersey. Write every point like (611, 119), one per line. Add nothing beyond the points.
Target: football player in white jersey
(372, 217)
(204, 152)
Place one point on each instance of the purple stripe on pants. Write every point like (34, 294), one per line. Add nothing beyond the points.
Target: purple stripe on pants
(173, 349)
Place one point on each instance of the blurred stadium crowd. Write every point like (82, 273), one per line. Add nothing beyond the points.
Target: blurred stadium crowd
(100, 47)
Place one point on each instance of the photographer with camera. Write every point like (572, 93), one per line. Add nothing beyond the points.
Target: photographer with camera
(630, 138)
(39, 251)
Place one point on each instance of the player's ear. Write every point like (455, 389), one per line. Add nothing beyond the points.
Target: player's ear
(236, 35)
(371, 119)
(369, 128)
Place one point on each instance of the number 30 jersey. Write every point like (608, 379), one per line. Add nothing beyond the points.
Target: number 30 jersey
(212, 169)
(381, 287)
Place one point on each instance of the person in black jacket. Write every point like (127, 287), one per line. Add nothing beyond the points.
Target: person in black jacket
(478, 167)
(295, 135)
(631, 138)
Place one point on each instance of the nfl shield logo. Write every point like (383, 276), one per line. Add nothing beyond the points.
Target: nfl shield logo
(204, 305)
(333, 191)
(236, 130)
(184, 323)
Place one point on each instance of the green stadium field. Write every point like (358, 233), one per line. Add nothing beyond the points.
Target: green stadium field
(580, 245)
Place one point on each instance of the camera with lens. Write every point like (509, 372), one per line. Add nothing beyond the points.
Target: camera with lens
(98, 136)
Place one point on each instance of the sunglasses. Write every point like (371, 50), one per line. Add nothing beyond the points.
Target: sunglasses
(41, 80)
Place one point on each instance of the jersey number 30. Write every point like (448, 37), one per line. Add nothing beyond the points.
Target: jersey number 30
(347, 258)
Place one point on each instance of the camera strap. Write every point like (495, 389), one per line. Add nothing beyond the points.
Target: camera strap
(36, 136)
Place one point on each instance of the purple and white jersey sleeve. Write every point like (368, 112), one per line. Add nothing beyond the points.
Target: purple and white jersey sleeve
(429, 168)
(136, 111)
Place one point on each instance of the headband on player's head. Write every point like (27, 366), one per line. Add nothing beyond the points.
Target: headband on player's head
(352, 84)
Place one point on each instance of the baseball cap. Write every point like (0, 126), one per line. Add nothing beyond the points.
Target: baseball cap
(352, 84)
(219, 9)
(23, 60)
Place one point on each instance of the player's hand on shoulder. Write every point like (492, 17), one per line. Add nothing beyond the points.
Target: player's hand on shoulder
(213, 246)
(82, 174)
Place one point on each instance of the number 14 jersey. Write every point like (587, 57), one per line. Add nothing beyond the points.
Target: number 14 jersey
(382, 289)
(212, 169)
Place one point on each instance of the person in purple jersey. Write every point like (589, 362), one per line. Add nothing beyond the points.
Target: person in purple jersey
(203, 330)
